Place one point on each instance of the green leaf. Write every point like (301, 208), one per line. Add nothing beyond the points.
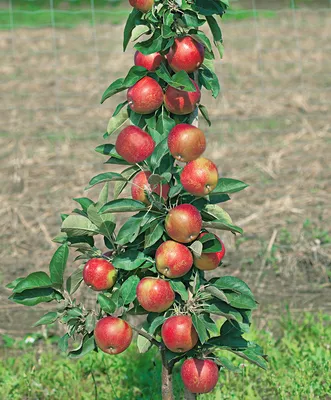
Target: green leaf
(204, 113)
(78, 225)
(87, 345)
(200, 328)
(239, 300)
(113, 89)
(58, 264)
(14, 283)
(182, 81)
(227, 185)
(105, 222)
(218, 219)
(123, 205)
(131, 23)
(203, 39)
(143, 344)
(154, 44)
(219, 294)
(179, 287)
(175, 190)
(128, 289)
(130, 230)
(226, 363)
(209, 323)
(209, 80)
(131, 260)
(153, 234)
(47, 319)
(84, 202)
(196, 248)
(215, 198)
(165, 123)
(134, 75)
(103, 196)
(63, 343)
(224, 310)
(128, 174)
(138, 31)
(217, 34)
(210, 243)
(35, 280)
(251, 356)
(159, 152)
(156, 323)
(209, 7)
(32, 297)
(118, 120)
(90, 323)
(74, 280)
(232, 283)
(107, 305)
(105, 177)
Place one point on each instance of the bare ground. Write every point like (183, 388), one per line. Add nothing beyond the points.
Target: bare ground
(271, 129)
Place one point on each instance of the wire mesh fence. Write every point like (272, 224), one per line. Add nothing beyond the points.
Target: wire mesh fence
(271, 128)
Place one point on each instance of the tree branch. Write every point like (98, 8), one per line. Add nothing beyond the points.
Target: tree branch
(147, 336)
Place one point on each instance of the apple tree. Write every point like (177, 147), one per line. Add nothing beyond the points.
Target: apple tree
(156, 264)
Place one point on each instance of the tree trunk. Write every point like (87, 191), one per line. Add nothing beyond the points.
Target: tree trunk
(167, 389)
(189, 396)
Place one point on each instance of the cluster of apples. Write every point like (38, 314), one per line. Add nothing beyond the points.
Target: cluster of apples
(183, 223)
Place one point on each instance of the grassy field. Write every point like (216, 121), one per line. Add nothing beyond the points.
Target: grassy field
(37, 13)
(299, 353)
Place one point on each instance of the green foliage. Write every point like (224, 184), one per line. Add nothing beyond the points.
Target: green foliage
(25, 371)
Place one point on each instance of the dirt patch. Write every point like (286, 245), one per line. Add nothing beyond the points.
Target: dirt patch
(271, 129)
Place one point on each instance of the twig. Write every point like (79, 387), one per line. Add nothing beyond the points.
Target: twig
(147, 336)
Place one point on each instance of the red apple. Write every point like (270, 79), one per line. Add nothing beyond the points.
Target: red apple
(186, 142)
(173, 259)
(145, 96)
(199, 376)
(140, 185)
(179, 334)
(112, 335)
(134, 144)
(142, 5)
(209, 261)
(183, 223)
(186, 54)
(99, 274)
(155, 294)
(199, 177)
(149, 61)
(180, 102)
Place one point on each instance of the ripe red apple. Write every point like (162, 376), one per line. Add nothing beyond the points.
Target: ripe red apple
(155, 294)
(209, 261)
(173, 259)
(142, 5)
(179, 334)
(183, 223)
(186, 142)
(112, 335)
(180, 102)
(186, 54)
(199, 177)
(99, 274)
(149, 61)
(199, 376)
(140, 185)
(134, 144)
(145, 96)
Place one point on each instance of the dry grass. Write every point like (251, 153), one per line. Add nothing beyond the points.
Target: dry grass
(271, 129)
